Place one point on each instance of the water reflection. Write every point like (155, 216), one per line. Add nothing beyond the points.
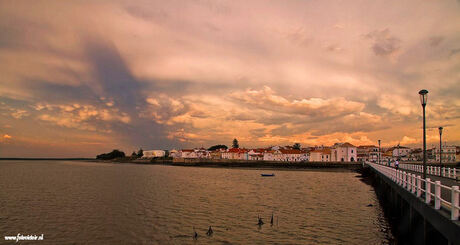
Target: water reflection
(112, 203)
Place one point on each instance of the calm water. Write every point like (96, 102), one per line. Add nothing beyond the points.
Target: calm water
(101, 203)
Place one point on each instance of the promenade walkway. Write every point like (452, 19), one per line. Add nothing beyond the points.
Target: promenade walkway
(445, 181)
(425, 211)
(443, 192)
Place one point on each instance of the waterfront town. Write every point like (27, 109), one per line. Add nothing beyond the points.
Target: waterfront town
(339, 152)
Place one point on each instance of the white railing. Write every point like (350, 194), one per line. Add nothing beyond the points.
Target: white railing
(415, 184)
(432, 170)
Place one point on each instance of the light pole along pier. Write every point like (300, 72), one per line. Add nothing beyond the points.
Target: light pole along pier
(423, 211)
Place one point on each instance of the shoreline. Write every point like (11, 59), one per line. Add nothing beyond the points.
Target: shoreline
(256, 165)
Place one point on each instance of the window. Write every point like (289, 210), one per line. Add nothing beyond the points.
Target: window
(351, 151)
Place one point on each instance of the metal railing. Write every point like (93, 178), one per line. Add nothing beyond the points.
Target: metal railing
(432, 170)
(415, 184)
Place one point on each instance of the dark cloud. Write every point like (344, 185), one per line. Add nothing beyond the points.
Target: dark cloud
(118, 84)
(148, 14)
(454, 51)
(258, 132)
(384, 44)
(435, 41)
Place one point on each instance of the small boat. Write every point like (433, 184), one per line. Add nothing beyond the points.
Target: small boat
(267, 175)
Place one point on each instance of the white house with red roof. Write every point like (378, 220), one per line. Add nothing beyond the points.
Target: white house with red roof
(194, 153)
(320, 155)
(235, 154)
(256, 154)
(293, 155)
(188, 153)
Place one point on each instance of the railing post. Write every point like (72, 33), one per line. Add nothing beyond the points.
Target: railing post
(437, 194)
(419, 186)
(413, 183)
(455, 173)
(443, 172)
(409, 177)
(454, 203)
(448, 172)
(428, 190)
(409, 188)
(404, 184)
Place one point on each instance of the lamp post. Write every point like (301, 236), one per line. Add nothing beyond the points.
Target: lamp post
(378, 154)
(423, 99)
(440, 146)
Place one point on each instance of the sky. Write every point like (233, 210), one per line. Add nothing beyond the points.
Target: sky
(79, 78)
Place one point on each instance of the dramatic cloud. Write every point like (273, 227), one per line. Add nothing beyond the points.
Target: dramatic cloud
(384, 44)
(170, 74)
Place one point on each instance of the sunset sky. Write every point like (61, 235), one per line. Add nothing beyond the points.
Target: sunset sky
(78, 78)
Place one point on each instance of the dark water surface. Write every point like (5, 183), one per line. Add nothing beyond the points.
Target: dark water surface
(100, 203)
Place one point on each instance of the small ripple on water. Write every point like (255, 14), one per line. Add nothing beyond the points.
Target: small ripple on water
(159, 204)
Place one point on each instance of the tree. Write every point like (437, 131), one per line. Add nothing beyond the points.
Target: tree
(216, 147)
(140, 153)
(134, 154)
(296, 146)
(235, 144)
(111, 155)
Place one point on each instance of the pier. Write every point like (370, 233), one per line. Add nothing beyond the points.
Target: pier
(422, 211)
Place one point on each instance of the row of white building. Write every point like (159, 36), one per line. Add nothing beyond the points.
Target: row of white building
(339, 152)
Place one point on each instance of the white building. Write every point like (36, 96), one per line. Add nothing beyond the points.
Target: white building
(343, 152)
(188, 153)
(401, 151)
(368, 153)
(269, 155)
(235, 154)
(153, 153)
(195, 153)
(256, 154)
(292, 155)
(320, 155)
(174, 153)
(448, 153)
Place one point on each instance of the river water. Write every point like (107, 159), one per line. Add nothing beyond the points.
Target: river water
(103, 203)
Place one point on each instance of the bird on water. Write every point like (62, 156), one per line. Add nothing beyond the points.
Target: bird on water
(261, 222)
(210, 231)
(195, 235)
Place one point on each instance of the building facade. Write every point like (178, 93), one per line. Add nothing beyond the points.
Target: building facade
(344, 152)
(448, 153)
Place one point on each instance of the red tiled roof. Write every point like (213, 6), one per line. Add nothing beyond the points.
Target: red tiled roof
(291, 151)
(346, 144)
(237, 150)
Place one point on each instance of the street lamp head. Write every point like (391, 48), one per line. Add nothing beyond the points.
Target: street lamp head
(423, 96)
(440, 130)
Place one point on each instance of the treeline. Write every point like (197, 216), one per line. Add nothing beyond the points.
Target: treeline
(111, 155)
